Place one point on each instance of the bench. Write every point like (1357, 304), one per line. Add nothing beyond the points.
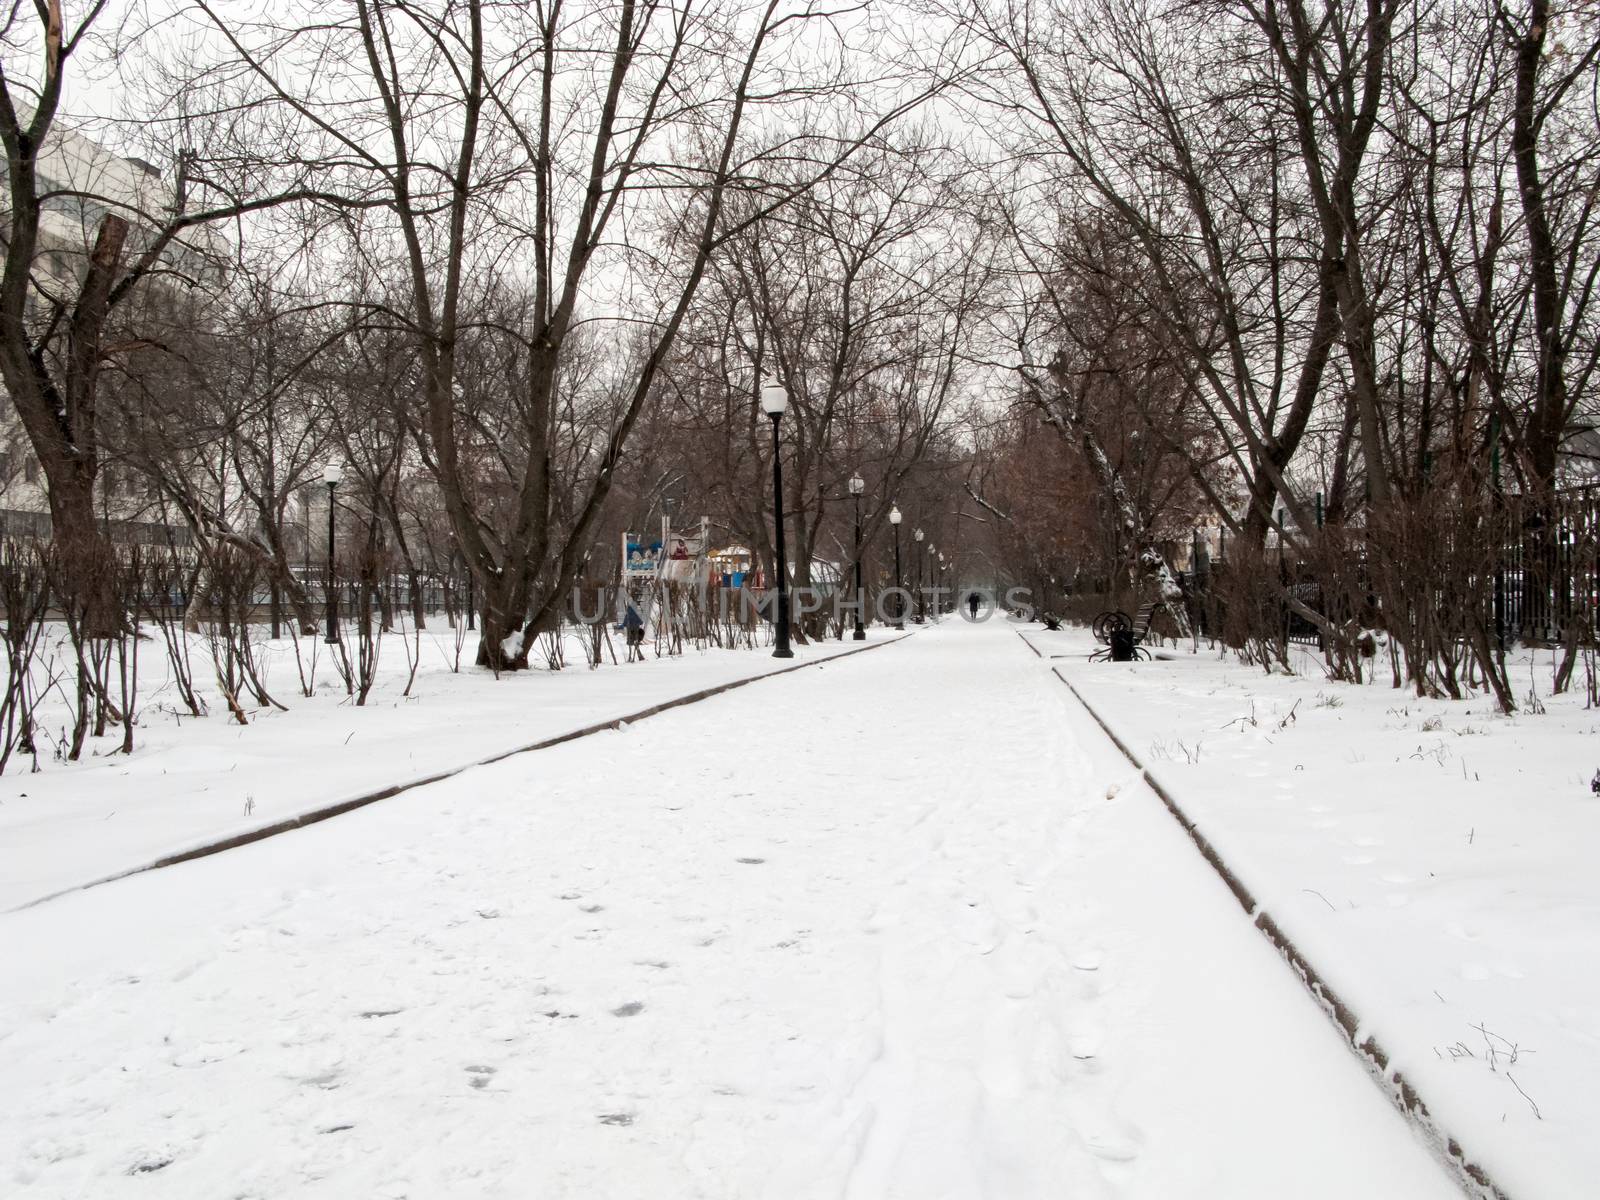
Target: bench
(1114, 621)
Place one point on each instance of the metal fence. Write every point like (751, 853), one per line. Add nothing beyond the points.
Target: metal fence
(1545, 577)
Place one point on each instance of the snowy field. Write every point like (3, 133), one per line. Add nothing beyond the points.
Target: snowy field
(903, 925)
(193, 780)
(1434, 859)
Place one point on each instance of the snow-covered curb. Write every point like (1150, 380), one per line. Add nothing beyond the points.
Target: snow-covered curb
(1393, 1082)
(205, 847)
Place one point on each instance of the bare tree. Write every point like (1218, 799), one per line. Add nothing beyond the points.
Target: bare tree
(863, 300)
(574, 152)
(1097, 365)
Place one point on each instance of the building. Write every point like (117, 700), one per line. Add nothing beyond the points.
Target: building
(80, 183)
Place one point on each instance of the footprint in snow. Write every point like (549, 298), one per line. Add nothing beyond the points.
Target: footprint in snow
(631, 1008)
(480, 1076)
(1084, 1046)
(1112, 1146)
(616, 1118)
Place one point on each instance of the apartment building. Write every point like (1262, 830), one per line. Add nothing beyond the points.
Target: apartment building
(80, 182)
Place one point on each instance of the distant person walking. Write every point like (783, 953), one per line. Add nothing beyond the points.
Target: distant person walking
(973, 601)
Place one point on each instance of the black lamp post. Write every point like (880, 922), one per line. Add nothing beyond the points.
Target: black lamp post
(857, 486)
(331, 474)
(773, 401)
(933, 580)
(899, 585)
(917, 537)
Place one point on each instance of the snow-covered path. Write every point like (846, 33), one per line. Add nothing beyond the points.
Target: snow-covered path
(898, 926)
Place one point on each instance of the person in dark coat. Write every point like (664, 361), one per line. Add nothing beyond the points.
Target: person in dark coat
(972, 604)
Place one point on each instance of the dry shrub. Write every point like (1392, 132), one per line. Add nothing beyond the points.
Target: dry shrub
(24, 598)
(222, 608)
(1245, 606)
(1433, 561)
(169, 581)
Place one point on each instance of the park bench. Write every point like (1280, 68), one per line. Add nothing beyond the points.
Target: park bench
(1114, 621)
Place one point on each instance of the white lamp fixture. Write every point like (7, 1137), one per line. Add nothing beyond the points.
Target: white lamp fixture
(857, 485)
(332, 473)
(894, 515)
(774, 399)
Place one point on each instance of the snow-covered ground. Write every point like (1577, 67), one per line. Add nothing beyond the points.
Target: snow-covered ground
(904, 925)
(1436, 861)
(192, 781)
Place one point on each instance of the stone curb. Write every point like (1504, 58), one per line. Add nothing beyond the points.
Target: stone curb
(1472, 1176)
(301, 820)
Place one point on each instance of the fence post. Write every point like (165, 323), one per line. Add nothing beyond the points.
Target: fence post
(1500, 559)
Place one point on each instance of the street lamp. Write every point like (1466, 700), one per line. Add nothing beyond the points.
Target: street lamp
(331, 474)
(933, 578)
(774, 399)
(917, 537)
(899, 587)
(857, 486)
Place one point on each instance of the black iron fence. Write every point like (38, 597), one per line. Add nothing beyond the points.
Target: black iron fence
(1540, 585)
(173, 578)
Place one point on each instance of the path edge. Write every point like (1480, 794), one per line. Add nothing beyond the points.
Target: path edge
(351, 804)
(1393, 1082)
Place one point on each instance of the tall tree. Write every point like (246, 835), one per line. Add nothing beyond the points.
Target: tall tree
(582, 152)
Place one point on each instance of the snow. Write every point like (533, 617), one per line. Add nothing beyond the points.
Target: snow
(192, 781)
(1434, 859)
(901, 925)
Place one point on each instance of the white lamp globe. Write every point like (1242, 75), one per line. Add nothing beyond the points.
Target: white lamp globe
(774, 398)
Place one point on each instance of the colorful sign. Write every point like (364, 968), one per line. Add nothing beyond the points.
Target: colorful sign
(638, 559)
